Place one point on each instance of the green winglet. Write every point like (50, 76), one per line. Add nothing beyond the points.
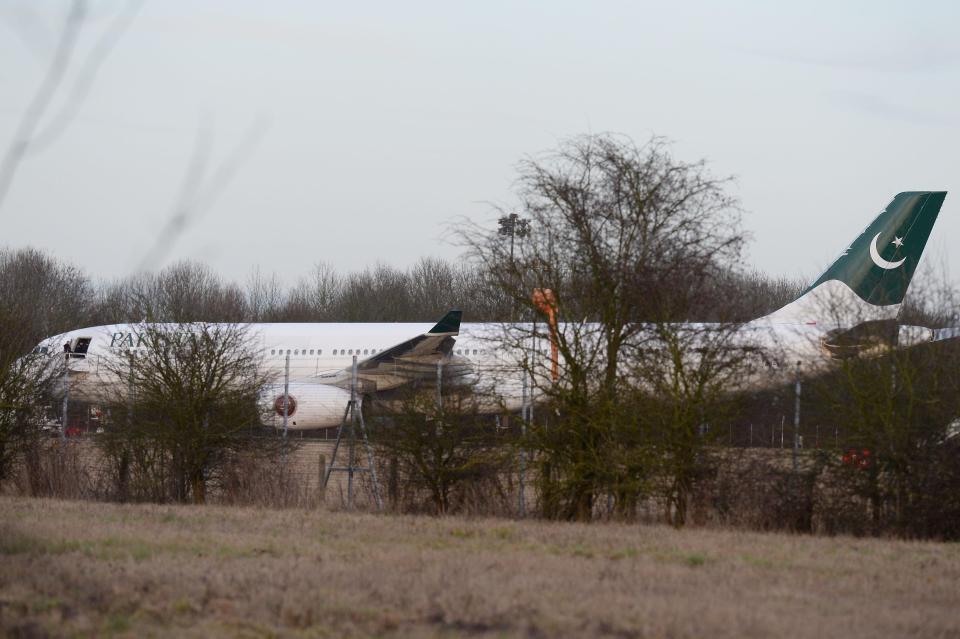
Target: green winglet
(449, 324)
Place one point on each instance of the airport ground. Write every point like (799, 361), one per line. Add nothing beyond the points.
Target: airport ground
(70, 568)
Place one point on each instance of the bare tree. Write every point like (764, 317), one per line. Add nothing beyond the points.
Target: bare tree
(441, 445)
(264, 296)
(897, 410)
(687, 378)
(43, 295)
(25, 386)
(314, 297)
(183, 292)
(186, 395)
(624, 238)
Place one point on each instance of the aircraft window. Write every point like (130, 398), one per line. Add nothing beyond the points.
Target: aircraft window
(474, 351)
(273, 351)
(365, 351)
(319, 351)
(288, 351)
(296, 351)
(311, 351)
(350, 352)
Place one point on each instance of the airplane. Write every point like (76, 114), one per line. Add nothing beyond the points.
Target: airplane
(851, 308)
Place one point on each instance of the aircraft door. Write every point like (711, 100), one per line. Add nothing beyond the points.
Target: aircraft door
(80, 346)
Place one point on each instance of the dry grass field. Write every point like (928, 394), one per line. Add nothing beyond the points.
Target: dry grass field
(82, 568)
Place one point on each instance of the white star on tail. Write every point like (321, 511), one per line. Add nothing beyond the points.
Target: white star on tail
(879, 261)
(897, 241)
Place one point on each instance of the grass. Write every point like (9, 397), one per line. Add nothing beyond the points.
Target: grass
(82, 568)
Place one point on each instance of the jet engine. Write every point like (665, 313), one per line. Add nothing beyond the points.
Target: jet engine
(308, 406)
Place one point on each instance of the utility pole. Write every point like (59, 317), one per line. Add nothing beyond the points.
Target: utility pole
(439, 383)
(513, 226)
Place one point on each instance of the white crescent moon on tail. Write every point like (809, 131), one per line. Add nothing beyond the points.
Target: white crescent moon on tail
(879, 261)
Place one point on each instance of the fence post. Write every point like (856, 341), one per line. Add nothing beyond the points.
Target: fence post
(796, 418)
(322, 488)
(286, 406)
(66, 395)
(393, 483)
(521, 493)
(351, 445)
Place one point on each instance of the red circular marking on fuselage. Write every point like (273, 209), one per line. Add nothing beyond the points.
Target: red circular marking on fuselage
(278, 405)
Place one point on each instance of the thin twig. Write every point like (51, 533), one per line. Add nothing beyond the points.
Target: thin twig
(198, 194)
(42, 98)
(85, 77)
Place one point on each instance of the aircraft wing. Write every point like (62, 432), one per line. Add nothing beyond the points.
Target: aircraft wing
(413, 359)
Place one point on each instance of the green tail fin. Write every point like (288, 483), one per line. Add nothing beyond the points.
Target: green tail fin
(880, 263)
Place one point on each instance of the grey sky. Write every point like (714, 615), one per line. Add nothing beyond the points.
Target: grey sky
(382, 121)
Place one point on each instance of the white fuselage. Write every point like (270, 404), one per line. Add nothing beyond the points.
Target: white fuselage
(319, 353)
(319, 350)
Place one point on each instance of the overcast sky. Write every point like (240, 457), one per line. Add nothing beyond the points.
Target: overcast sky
(365, 128)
